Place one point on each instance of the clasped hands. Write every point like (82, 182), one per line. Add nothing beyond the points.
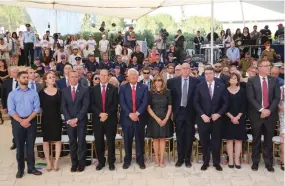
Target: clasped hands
(162, 122)
(207, 119)
(265, 113)
(73, 122)
(103, 117)
(25, 123)
(134, 117)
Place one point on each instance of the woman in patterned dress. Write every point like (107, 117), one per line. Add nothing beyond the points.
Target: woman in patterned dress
(282, 125)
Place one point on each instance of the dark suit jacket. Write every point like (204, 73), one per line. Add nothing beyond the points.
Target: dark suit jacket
(61, 83)
(174, 85)
(77, 109)
(127, 104)
(203, 103)
(7, 87)
(254, 96)
(223, 79)
(111, 104)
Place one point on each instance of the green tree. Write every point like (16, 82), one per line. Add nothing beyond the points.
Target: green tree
(11, 17)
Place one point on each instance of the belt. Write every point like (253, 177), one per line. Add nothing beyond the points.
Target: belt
(24, 117)
(182, 107)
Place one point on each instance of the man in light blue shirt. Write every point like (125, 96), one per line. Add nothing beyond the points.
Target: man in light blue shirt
(233, 54)
(23, 107)
(29, 40)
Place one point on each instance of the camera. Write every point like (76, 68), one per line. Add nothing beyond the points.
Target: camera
(164, 34)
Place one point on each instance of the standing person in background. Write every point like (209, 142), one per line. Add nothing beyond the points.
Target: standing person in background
(16, 49)
(180, 45)
(103, 46)
(9, 42)
(8, 86)
(51, 41)
(81, 43)
(211, 103)
(281, 110)
(154, 55)
(51, 120)
(161, 47)
(74, 106)
(4, 51)
(263, 95)
(198, 40)
(255, 35)
(22, 53)
(28, 42)
(269, 53)
(227, 40)
(133, 102)
(265, 34)
(146, 77)
(38, 46)
(127, 37)
(3, 71)
(234, 125)
(104, 106)
(23, 107)
(182, 93)
(160, 125)
(91, 43)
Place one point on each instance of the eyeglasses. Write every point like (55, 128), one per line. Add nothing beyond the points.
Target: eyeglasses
(146, 73)
(96, 78)
(218, 66)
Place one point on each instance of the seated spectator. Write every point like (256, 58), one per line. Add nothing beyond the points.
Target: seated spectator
(106, 64)
(233, 68)
(122, 65)
(218, 73)
(72, 57)
(138, 54)
(125, 56)
(118, 73)
(245, 63)
(78, 61)
(153, 56)
(58, 53)
(40, 69)
(233, 54)
(146, 77)
(155, 71)
(89, 77)
(275, 73)
(82, 80)
(226, 71)
(134, 64)
(46, 57)
(91, 64)
(60, 65)
(103, 45)
(269, 53)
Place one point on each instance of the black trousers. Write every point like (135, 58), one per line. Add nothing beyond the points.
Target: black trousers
(136, 130)
(162, 53)
(22, 58)
(266, 128)
(185, 131)
(29, 50)
(100, 130)
(25, 137)
(210, 139)
(179, 53)
(77, 148)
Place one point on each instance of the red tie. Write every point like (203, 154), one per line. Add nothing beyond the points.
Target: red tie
(104, 99)
(265, 94)
(210, 90)
(73, 94)
(134, 99)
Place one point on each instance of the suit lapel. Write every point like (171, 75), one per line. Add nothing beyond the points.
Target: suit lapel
(179, 89)
(270, 87)
(207, 90)
(98, 92)
(259, 88)
(189, 89)
(108, 94)
(138, 92)
(77, 93)
(69, 93)
(216, 91)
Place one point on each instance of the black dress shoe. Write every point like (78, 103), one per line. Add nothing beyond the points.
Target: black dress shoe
(218, 167)
(100, 166)
(73, 169)
(178, 164)
(238, 166)
(35, 172)
(126, 165)
(204, 167)
(254, 167)
(231, 166)
(188, 164)
(111, 166)
(20, 174)
(270, 168)
(141, 165)
(81, 168)
(13, 147)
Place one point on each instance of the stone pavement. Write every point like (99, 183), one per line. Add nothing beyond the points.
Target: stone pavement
(151, 176)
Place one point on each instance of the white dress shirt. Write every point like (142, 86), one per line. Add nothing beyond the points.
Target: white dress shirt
(212, 87)
(76, 86)
(101, 86)
(14, 84)
(218, 75)
(133, 85)
(169, 76)
(261, 81)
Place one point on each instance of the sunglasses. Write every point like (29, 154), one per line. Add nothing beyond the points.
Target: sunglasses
(218, 66)
(146, 73)
(159, 80)
(96, 78)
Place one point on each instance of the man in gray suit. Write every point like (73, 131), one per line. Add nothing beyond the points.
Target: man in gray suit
(32, 83)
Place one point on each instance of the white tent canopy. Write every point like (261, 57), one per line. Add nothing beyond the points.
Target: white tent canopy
(130, 9)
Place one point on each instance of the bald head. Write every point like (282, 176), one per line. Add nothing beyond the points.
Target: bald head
(275, 72)
(186, 70)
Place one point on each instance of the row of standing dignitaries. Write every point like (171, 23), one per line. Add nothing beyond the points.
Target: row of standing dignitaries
(204, 103)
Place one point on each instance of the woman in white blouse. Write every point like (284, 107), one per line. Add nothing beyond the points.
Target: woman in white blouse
(227, 40)
(282, 125)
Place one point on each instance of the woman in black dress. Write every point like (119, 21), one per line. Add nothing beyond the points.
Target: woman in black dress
(160, 125)
(51, 119)
(235, 127)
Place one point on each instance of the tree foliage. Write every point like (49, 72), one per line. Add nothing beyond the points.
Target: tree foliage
(11, 17)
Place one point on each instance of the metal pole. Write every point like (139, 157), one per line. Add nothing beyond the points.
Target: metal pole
(242, 13)
(212, 32)
(55, 21)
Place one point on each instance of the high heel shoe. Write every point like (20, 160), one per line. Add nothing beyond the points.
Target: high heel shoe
(231, 166)
(238, 166)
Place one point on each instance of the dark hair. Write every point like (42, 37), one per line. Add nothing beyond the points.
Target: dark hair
(198, 31)
(21, 73)
(228, 33)
(209, 69)
(222, 32)
(145, 68)
(15, 33)
(261, 61)
(5, 64)
(44, 85)
(244, 29)
(232, 75)
(124, 49)
(170, 64)
(68, 64)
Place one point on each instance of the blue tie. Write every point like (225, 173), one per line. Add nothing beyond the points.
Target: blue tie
(184, 94)
(33, 85)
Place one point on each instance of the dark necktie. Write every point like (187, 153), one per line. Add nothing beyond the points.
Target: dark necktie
(265, 96)
(104, 98)
(16, 84)
(73, 94)
(134, 99)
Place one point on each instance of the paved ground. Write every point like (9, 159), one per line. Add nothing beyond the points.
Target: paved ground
(151, 176)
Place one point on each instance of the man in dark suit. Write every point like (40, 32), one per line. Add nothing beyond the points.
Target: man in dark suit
(74, 106)
(182, 91)
(33, 85)
(104, 106)
(211, 103)
(7, 86)
(146, 77)
(219, 75)
(263, 95)
(63, 82)
(133, 102)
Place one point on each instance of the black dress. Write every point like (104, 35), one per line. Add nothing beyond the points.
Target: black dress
(159, 104)
(51, 118)
(237, 105)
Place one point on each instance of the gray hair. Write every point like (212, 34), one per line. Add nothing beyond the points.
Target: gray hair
(133, 70)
